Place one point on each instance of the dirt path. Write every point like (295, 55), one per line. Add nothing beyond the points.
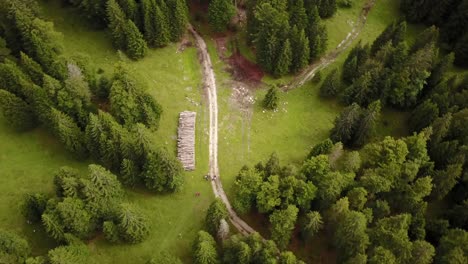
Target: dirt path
(209, 83)
(331, 57)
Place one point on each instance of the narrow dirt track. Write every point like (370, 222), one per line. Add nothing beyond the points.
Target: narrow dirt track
(209, 83)
(331, 57)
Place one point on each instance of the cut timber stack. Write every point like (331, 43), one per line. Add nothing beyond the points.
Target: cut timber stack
(186, 140)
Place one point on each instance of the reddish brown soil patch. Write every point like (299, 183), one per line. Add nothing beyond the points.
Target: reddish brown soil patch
(244, 70)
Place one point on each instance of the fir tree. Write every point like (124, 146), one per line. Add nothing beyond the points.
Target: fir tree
(331, 85)
(178, 18)
(284, 60)
(346, 124)
(16, 112)
(220, 13)
(69, 133)
(135, 45)
(32, 68)
(271, 99)
(300, 46)
(327, 8)
(317, 35)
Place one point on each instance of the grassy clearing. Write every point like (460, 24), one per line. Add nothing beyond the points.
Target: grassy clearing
(174, 79)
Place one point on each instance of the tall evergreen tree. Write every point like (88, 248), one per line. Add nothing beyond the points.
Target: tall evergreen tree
(17, 112)
(220, 13)
(135, 45)
(346, 124)
(317, 35)
(178, 17)
(283, 63)
(331, 86)
(301, 48)
(366, 127)
(117, 23)
(69, 133)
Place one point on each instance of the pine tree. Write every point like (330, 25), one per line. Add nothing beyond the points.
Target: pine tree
(298, 15)
(220, 13)
(130, 8)
(331, 85)
(300, 46)
(135, 45)
(284, 60)
(366, 127)
(16, 112)
(133, 226)
(317, 34)
(423, 115)
(346, 124)
(282, 225)
(313, 224)
(32, 68)
(116, 24)
(327, 8)
(69, 133)
(162, 32)
(177, 17)
(271, 99)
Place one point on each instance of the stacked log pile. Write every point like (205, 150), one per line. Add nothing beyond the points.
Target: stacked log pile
(186, 140)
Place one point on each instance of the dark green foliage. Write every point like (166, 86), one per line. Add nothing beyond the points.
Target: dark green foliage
(246, 187)
(69, 254)
(313, 223)
(461, 52)
(74, 97)
(178, 18)
(269, 195)
(323, 147)
(216, 212)
(125, 34)
(220, 13)
(155, 24)
(133, 226)
(19, 115)
(13, 249)
(284, 59)
(317, 34)
(331, 86)
(453, 247)
(33, 206)
(357, 198)
(130, 104)
(422, 252)
(32, 68)
(253, 249)
(382, 255)
(162, 172)
(204, 249)
(298, 16)
(395, 33)
(423, 115)
(346, 124)
(353, 64)
(367, 124)
(271, 99)
(135, 45)
(350, 237)
(327, 8)
(282, 225)
(392, 234)
(4, 50)
(68, 133)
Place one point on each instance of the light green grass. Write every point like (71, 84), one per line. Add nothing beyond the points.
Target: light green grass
(28, 160)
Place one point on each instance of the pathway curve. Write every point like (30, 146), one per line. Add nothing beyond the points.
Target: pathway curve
(331, 57)
(209, 83)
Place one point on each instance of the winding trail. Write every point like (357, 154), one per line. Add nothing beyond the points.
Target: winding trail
(331, 57)
(209, 84)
